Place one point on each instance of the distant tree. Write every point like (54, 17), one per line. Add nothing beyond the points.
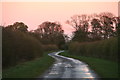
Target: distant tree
(96, 29)
(50, 33)
(80, 36)
(79, 22)
(67, 38)
(106, 19)
(18, 26)
(81, 25)
(117, 26)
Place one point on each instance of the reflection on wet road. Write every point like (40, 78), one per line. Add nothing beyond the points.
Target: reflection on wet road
(65, 67)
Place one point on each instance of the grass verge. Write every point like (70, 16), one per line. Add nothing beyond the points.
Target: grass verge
(104, 68)
(30, 69)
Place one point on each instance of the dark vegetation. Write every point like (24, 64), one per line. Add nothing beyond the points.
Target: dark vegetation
(94, 36)
(89, 28)
(105, 49)
(104, 68)
(29, 69)
(20, 45)
(50, 33)
(95, 41)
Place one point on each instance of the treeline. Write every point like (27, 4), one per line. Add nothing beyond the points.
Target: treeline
(20, 45)
(95, 35)
(105, 49)
(50, 33)
(94, 27)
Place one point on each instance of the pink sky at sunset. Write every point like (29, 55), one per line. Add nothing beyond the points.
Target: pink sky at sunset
(34, 13)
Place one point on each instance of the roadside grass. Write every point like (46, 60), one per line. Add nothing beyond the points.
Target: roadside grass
(30, 69)
(104, 68)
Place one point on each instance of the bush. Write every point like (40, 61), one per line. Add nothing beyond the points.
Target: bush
(18, 47)
(106, 49)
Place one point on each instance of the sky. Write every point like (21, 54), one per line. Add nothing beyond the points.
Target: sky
(34, 13)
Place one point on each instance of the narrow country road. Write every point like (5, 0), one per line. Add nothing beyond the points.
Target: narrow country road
(65, 67)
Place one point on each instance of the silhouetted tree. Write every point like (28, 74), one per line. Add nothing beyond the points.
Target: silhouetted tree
(51, 33)
(79, 22)
(96, 29)
(18, 26)
(81, 25)
(117, 26)
(106, 19)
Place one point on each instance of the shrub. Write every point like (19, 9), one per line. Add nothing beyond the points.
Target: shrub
(19, 46)
(106, 49)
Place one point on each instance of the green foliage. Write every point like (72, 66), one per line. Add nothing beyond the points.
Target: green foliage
(19, 47)
(104, 68)
(106, 49)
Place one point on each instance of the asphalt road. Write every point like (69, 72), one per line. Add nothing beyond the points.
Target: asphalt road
(65, 67)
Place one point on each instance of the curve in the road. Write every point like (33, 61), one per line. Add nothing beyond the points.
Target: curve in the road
(65, 67)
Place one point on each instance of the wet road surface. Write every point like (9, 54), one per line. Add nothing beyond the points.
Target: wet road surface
(65, 67)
